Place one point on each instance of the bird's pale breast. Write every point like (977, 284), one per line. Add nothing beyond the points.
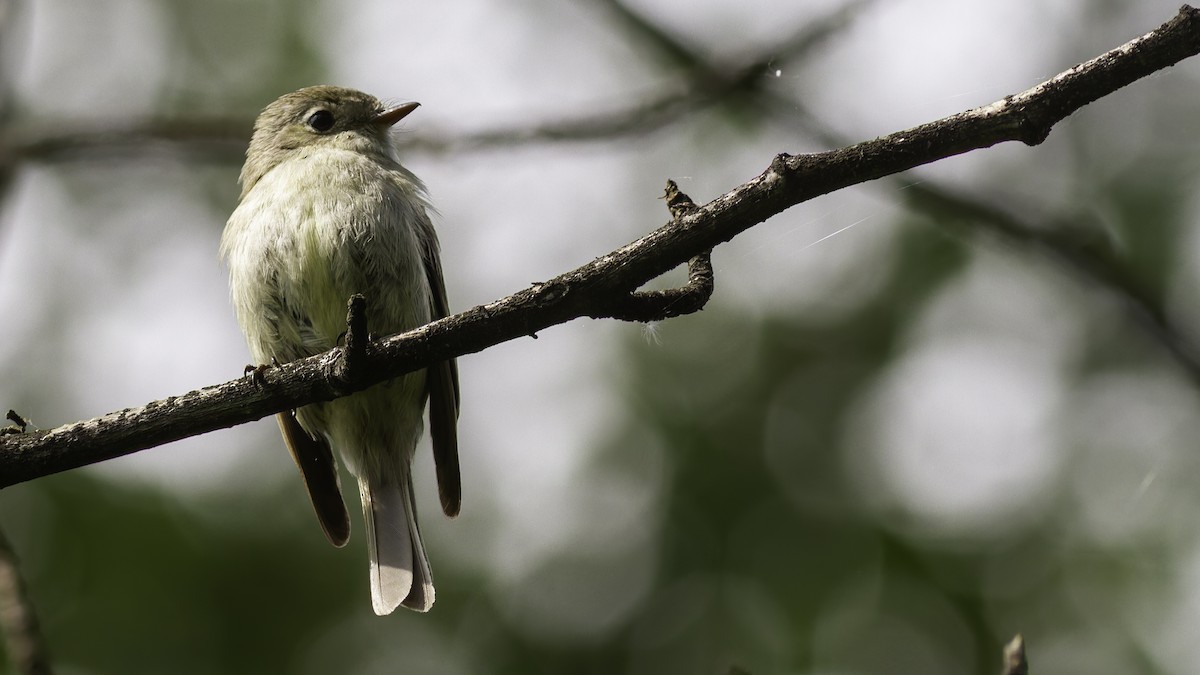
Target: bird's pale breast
(312, 232)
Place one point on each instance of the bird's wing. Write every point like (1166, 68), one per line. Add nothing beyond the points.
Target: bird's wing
(442, 383)
(319, 470)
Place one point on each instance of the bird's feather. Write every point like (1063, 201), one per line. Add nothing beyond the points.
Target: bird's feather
(442, 382)
(315, 461)
(399, 567)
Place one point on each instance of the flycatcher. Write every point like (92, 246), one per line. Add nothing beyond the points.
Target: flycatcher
(327, 211)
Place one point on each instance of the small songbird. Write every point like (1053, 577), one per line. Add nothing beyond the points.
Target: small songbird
(327, 211)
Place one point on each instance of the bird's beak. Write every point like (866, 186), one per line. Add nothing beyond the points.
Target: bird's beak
(392, 115)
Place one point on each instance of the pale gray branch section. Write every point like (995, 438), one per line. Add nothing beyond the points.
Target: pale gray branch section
(592, 290)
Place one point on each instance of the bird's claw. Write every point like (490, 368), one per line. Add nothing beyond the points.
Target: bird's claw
(256, 372)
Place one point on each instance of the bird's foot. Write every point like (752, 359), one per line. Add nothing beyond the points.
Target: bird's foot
(255, 373)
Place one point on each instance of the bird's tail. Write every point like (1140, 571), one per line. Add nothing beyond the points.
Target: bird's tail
(399, 568)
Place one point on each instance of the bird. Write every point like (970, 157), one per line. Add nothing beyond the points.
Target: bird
(327, 211)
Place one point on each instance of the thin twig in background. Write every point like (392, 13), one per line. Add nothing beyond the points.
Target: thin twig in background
(59, 141)
(1014, 657)
(224, 140)
(592, 289)
(18, 622)
(698, 66)
(1091, 259)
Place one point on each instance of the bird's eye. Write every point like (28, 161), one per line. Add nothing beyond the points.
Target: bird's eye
(320, 121)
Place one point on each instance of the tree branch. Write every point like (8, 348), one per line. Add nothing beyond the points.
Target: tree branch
(1089, 258)
(1081, 250)
(595, 288)
(658, 305)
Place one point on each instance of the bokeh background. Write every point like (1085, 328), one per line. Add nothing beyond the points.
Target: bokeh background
(896, 437)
